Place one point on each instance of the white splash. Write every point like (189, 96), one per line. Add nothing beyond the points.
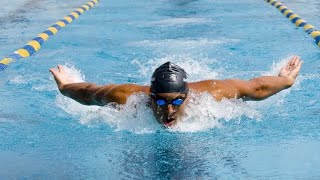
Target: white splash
(276, 67)
(196, 68)
(19, 79)
(74, 73)
(135, 116)
(204, 113)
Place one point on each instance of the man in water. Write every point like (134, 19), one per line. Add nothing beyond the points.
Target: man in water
(169, 89)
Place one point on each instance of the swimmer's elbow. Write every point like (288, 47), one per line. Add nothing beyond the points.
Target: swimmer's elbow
(255, 90)
(113, 95)
(259, 90)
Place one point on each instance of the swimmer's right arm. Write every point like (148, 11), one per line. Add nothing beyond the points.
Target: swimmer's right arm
(92, 94)
(84, 93)
(88, 93)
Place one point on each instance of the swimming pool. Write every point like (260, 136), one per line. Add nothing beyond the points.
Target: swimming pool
(44, 135)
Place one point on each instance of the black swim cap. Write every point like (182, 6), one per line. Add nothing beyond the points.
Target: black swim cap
(169, 78)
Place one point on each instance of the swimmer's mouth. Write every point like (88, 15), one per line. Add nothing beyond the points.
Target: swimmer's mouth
(169, 121)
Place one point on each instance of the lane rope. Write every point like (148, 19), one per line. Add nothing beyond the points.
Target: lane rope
(297, 20)
(35, 44)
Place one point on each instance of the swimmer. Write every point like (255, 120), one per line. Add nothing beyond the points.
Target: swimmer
(169, 89)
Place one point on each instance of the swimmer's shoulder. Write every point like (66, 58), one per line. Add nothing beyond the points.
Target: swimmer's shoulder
(205, 85)
(120, 93)
(131, 88)
(217, 88)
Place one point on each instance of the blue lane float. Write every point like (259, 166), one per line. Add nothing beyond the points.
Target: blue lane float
(297, 20)
(35, 44)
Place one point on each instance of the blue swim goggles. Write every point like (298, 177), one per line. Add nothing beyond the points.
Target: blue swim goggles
(163, 102)
(175, 102)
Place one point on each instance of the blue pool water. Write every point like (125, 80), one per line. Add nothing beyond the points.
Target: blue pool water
(44, 135)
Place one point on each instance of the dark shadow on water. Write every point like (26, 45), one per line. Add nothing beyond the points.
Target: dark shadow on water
(181, 2)
(19, 14)
(178, 8)
(178, 157)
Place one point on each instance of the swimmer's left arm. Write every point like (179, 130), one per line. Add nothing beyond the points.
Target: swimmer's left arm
(265, 86)
(258, 88)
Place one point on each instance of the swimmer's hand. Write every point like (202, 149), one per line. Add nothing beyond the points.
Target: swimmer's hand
(61, 76)
(291, 69)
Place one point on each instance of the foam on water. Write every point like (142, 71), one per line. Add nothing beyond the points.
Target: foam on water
(136, 116)
(19, 79)
(276, 67)
(203, 113)
(38, 83)
(34, 80)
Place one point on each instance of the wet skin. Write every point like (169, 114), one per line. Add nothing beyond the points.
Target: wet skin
(168, 114)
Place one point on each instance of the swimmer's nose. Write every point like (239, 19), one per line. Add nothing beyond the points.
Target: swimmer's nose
(170, 109)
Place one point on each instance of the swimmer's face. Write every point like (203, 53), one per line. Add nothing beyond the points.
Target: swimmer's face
(168, 107)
